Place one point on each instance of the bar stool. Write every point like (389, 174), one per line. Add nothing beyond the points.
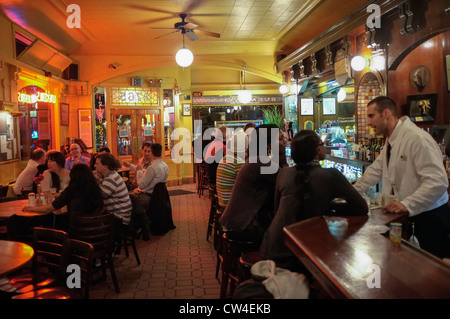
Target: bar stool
(231, 250)
(212, 211)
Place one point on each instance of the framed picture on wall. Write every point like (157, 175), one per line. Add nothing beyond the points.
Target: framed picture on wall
(64, 114)
(422, 108)
(329, 106)
(307, 106)
(85, 126)
(186, 109)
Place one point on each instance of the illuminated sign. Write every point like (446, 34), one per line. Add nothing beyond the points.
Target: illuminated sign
(38, 97)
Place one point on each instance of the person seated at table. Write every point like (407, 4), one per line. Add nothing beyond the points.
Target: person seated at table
(306, 190)
(229, 167)
(76, 157)
(24, 181)
(114, 191)
(249, 211)
(83, 197)
(157, 172)
(142, 164)
(56, 177)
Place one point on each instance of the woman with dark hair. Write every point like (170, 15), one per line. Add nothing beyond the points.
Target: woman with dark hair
(56, 176)
(82, 196)
(306, 190)
(250, 209)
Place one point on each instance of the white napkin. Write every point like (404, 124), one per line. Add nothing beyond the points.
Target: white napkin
(281, 283)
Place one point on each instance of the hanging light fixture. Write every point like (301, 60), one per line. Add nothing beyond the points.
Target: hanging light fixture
(184, 57)
(244, 95)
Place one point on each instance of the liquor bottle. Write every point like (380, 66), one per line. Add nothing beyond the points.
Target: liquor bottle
(374, 148)
(369, 151)
(377, 149)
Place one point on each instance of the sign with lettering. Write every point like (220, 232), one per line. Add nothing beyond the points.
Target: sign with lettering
(38, 97)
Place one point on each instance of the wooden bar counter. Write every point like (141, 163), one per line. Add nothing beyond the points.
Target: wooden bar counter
(350, 266)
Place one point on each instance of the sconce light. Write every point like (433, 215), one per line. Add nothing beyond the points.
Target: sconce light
(375, 62)
(159, 80)
(358, 63)
(284, 89)
(294, 89)
(341, 95)
(378, 63)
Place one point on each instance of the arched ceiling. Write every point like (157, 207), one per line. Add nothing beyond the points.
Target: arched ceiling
(125, 29)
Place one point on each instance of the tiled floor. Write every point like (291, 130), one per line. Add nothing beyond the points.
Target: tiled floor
(178, 265)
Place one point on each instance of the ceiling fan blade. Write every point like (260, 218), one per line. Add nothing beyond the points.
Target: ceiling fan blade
(190, 25)
(208, 33)
(156, 28)
(191, 35)
(166, 34)
(139, 7)
(193, 5)
(152, 20)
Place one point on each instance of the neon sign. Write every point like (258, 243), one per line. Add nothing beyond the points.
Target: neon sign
(38, 97)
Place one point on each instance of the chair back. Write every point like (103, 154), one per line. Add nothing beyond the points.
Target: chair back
(50, 251)
(96, 230)
(81, 253)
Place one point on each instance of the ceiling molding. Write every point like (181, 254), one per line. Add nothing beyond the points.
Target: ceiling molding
(333, 34)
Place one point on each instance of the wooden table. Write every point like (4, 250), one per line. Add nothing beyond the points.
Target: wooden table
(13, 255)
(14, 207)
(344, 266)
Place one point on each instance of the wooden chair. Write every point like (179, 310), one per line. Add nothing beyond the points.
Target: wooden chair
(48, 264)
(77, 284)
(99, 232)
(127, 238)
(231, 251)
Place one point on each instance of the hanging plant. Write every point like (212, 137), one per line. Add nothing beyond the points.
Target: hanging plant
(273, 116)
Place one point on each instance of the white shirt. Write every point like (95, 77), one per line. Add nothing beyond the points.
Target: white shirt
(416, 172)
(25, 178)
(140, 173)
(157, 172)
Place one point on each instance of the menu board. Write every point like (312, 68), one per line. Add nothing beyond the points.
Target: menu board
(329, 106)
(306, 106)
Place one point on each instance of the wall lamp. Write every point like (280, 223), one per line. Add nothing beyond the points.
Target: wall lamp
(374, 62)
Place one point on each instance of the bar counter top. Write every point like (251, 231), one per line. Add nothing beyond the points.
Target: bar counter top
(363, 263)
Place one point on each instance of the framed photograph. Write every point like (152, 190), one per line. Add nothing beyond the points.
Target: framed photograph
(422, 108)
(306, 106)
(186, 109)
(85, 126)
(329, 106)
(64, 114)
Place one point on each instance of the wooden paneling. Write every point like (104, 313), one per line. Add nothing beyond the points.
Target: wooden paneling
(432, 55)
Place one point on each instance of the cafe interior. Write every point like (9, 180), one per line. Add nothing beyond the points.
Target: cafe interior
(117, 74)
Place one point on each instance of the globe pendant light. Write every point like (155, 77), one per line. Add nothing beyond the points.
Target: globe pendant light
(244, 96)
(184, 57)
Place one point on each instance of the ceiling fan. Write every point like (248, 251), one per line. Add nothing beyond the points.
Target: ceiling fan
(187, 28)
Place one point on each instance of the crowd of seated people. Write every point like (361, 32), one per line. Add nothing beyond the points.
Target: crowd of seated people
(89, 187)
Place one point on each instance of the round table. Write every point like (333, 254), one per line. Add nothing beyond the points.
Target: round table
(13, 255)
(14, 207)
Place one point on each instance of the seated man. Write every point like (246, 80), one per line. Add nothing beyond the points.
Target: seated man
(75, 151)
(142, 163)
(157, 172)
(25, 179)
(114, 192)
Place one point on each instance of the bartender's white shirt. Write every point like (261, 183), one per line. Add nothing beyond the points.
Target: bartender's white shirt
(416, 172)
